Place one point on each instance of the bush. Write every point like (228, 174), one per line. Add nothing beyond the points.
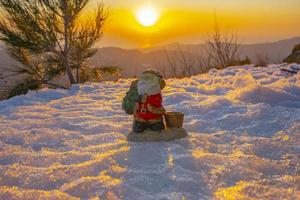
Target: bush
(262, 59)
(23, 88)
(89, 74)
(295, 56)
(246, 61)
(296, 48)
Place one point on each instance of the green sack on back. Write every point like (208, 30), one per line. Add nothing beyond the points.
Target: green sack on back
(130, 98)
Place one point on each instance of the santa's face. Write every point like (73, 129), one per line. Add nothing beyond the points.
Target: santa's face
(149, 84)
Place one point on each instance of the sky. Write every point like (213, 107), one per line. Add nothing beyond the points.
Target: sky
(188, 21)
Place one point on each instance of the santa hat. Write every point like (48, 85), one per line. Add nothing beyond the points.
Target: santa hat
(153, 71)
(158, 74)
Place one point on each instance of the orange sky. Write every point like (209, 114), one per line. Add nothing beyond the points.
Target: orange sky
(188, 21)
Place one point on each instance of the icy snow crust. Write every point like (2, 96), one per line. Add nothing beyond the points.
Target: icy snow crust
(244, 143)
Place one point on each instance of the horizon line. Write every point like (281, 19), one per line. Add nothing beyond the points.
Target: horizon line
(191, 44)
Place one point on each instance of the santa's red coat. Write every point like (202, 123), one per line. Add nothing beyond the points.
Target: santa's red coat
(144, 113)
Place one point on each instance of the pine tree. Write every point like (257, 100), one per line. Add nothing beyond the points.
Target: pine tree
(47, 37)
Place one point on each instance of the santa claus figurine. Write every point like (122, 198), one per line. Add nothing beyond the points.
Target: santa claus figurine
(149, 111)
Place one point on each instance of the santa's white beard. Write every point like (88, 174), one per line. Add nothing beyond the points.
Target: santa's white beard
(149, 86)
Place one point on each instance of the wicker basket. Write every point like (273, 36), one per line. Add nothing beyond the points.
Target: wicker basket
(174, 119)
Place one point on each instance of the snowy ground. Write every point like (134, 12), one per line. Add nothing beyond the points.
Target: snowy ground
(244, 142)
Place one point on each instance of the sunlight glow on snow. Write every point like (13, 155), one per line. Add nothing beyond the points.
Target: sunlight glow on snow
(244, 125)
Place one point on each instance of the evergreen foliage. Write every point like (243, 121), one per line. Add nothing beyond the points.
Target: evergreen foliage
(48, 37)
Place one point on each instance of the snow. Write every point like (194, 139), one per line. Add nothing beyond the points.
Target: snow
(244, 143)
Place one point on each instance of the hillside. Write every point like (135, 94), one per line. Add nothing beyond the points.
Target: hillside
(244, 126)
(132, 60)
(135, 61)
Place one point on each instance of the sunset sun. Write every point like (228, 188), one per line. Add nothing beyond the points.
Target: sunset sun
(147, 16)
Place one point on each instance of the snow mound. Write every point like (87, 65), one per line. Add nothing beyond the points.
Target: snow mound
(243, 122)
(167, 135)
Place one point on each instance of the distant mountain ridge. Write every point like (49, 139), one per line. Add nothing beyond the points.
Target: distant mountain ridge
(133, 61)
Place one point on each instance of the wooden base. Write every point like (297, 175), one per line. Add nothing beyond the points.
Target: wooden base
(153, 136)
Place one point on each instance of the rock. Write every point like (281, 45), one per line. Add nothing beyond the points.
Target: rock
(153, 136)
(296, 48)
(295, 56)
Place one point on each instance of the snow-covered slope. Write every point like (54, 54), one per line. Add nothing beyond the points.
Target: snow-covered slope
(244, 142)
